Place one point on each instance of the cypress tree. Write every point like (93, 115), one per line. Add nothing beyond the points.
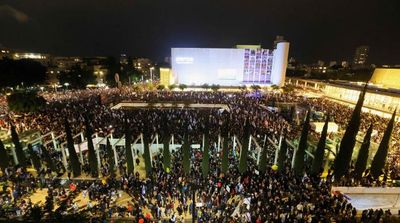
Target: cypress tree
(35, 158)
(245, 147)
(205, 162)
(4, 161)
(362, 157)
(186, 155)
(225, 149)
(48, 159)
(166, 137)
(282, 155)
(343, 158)
(18, 147)
(128, 151)
(298, 164)
(94, 172)
(262, 167)
(378, 163)
(73, 158)
(110, 157)
(320, 151)
(147, 153)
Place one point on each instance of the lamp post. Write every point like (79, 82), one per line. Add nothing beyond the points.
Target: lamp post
(151, 74)
(66, 85)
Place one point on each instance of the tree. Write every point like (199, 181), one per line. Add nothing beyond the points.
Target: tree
(166, 137)
(255, 88)
(4, 161)
(245, 147)
(205, 86)
(205, 162)
(172, 86)
(147, 153)
(186, 155)
(215, 87)
(380, 157)
(320, 151)
(35, 158)
(182, 87)
(77, 77)
(343, 158)
(160, 87)
(73, 158)
(298, 162)
(110, 157)
(282, 154)
(242, 88)
(362, 157)
(18, 147)
(25, 101)
(128, 150)
(24, 72)
(225, 149)
(48, 160)
(94, 172)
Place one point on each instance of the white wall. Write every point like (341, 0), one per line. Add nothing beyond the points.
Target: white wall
(279, 64)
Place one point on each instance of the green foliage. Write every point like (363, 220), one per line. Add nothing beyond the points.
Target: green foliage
(25, 101)
(18, 147)
(378, 163)
(282, 154)
(205, 162)
(205, 86)
(186, 155)
(242, 87)
(215, 87)
(110, 157)
(182, 87)
(298, 164)
(362, 158)
(172, 86)
(343, 158)
(73, 158)
(94, 172)
(245, 147)
(160, 87)
(16, 72)
(35, 158)
(320, 151)
(128, 150)
(77, 77)
(255, 87)
(147, 153)
(48, 160)
(4, 161)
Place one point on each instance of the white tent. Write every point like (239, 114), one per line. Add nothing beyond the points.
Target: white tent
(317, 127)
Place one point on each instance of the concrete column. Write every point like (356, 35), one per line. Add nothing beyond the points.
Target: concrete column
(219, 142)
(53, 139)
(115, 155)
(202, 145)
(234, 145)
(97, 152)
(80, 153)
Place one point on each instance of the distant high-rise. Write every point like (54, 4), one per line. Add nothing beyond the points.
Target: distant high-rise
(279, 39)
(361, 56)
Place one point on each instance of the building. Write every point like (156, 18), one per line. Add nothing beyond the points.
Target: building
(145, 66)
(361, 56)
(5, 53)
(166, 77)
(44, 59)
(278, 39)
(386, 78)
(230, 66)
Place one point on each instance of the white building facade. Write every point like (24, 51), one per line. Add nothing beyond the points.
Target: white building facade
(230, 66)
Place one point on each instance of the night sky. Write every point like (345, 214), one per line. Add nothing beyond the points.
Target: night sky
(317, 29)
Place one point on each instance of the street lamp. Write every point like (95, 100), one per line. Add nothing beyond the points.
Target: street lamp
(66, 85)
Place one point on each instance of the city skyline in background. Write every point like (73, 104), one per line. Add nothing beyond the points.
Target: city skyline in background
(316, 30)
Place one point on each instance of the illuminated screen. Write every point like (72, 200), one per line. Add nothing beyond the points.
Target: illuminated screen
(229, 67)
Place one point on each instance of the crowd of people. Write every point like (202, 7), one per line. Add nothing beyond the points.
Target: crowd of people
(256, 196)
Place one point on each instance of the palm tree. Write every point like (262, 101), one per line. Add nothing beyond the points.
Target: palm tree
(298, 164)
(362, 158)
(320, 151)
(18, 147)
(381, 154)
(343, 158)
(73, 158)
